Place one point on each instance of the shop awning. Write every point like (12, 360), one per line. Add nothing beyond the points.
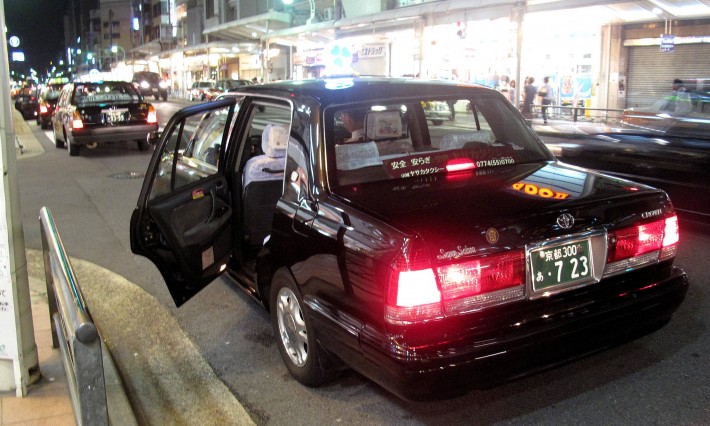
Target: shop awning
(250, 29)
(318, 33)
(151, 48)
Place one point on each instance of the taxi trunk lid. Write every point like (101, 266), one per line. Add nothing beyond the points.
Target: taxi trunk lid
(477, 214)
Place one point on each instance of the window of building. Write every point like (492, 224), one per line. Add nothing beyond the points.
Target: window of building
(209, 9)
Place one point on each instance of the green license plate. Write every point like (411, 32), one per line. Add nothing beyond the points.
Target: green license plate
(561, 264)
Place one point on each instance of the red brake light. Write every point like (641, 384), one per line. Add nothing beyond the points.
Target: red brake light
(416, 288)
(426, 293)
(152, 116)
(671, 232)
(77, 123)
(641, 245)
(637, 240)
(413, 293)
(482, 275)
(459, 165)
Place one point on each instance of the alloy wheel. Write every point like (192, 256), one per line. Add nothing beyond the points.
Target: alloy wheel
(292, 326)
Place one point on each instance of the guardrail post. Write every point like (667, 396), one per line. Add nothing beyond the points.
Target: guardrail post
(74, 331)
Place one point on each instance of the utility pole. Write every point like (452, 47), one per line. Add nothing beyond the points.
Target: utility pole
(19, 363)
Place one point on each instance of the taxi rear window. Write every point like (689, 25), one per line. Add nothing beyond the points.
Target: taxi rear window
(398, 140)
(105, 92)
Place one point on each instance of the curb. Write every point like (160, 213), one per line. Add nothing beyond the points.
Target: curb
(163, 373)
(26, 144)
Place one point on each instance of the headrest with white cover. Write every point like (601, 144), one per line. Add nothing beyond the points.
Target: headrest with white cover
(382, 125)
(274, 140)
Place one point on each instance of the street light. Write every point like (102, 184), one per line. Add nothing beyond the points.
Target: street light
(114, 49)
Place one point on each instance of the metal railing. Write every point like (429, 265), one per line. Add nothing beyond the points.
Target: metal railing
(579, 114)
(74, 331)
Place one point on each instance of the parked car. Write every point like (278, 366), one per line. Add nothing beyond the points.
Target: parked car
(151, 84)
(26, 102)
(427, 258)
(47, 103)
(230, 84)
(673, 160)
(438, 112)
(89, 113)
(203, 91)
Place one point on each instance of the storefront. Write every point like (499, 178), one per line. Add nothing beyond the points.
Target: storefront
(481, 51)
(651, 68)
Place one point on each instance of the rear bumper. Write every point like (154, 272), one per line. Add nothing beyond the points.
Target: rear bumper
(104, 134)
(153, 91)
(527, 339)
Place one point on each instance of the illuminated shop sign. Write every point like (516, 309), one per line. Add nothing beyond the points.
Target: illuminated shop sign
(372, 51)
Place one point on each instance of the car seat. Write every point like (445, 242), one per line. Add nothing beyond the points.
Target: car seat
(263, 184)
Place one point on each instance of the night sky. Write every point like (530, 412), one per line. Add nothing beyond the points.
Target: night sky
(40, 26)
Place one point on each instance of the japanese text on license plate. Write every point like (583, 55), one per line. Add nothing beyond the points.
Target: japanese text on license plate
(561, 264)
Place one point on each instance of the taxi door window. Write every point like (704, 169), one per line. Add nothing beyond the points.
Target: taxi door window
(193, 151)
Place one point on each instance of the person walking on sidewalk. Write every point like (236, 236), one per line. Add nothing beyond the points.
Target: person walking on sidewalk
(547, 94)
(529, 91)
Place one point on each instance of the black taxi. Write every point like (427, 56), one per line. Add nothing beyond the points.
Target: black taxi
(93, 112)
(426, 257)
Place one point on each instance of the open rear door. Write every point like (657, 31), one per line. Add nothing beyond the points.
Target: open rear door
(183, 221)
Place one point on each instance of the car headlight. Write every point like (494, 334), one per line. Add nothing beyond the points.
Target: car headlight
(145, 84)
(163, 85)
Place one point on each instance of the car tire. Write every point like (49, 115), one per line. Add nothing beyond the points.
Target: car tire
(165, 96)
(437, 122)
(142, 145)
(305, 359)
(73, 149)
(57, 142)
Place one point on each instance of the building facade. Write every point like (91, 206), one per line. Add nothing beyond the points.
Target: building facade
(595, 52)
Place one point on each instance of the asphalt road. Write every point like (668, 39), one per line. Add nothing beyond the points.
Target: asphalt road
(661, 378)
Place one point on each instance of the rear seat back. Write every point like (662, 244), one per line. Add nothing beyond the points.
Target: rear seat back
(263, 183)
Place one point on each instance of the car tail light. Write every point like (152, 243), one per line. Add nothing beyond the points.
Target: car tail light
(77, 122)
(418, 292)
(413, 293)
(476, 283)
(641, 245)
(152, 116)
(459, 165)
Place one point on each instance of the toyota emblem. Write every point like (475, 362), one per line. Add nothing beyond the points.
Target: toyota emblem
(565, 221)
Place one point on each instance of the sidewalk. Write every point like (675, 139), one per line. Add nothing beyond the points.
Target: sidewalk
(48, 400)
(160, 377)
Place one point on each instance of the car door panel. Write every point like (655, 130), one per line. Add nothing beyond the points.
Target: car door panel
(196, 222)
(184, 220)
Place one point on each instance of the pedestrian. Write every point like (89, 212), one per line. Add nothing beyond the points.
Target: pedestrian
(529, 93)
(511, 91)
(678, 101)
(546, 94)
(451, 103)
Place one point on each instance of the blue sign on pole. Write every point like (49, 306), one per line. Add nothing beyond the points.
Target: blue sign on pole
(667, 42)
